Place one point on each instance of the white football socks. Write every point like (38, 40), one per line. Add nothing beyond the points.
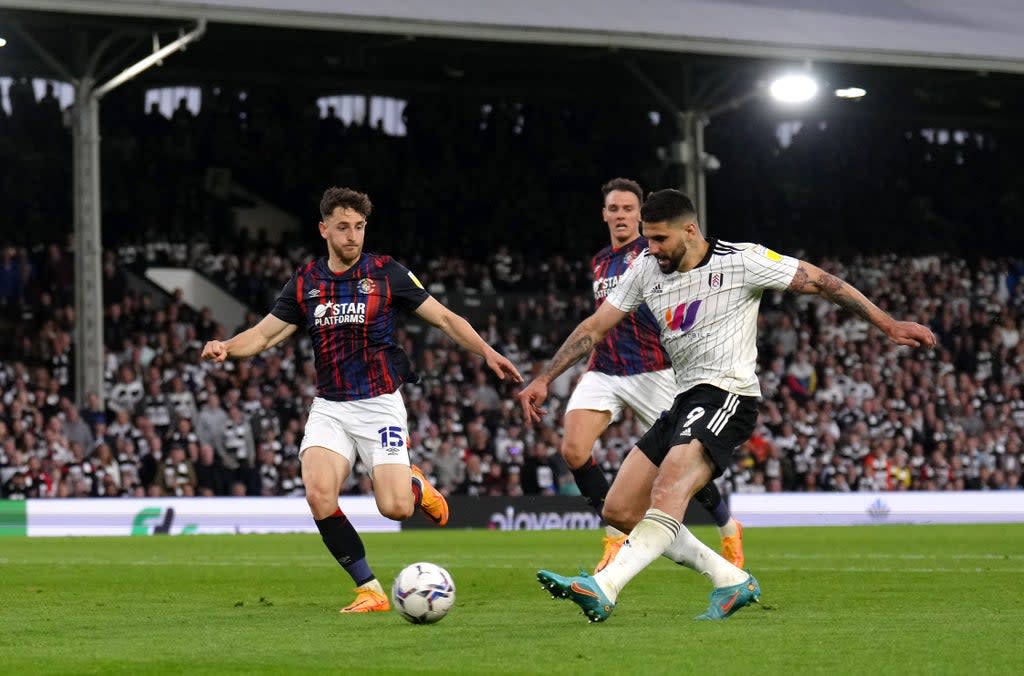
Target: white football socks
(688, 551)
(729, 529)
(613, 532)
(648, 541)
(373, 584)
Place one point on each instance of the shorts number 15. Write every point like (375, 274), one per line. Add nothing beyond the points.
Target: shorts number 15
(391, 436)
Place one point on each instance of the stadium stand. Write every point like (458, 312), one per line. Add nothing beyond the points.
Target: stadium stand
(843, 410)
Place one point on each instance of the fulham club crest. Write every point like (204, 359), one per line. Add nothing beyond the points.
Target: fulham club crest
(715, 280)
(366, 286)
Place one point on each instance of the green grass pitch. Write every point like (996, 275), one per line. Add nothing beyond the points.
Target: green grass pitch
(884, 599)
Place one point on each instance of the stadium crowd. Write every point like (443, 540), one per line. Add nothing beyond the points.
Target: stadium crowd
(843, 410)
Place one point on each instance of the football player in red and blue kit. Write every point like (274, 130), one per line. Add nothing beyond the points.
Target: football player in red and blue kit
(348, 302)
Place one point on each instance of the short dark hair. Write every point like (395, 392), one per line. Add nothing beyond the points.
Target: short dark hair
(625, 185)
(346, 198)
(666, 205)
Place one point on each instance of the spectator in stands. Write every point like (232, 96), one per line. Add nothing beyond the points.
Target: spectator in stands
(474, 482)
(240, 450)
(127, 392)
(155, 407)
(177, 476)
(211, 478)
(182, 399)
(211, 422)
(449, 467)
(75, 428)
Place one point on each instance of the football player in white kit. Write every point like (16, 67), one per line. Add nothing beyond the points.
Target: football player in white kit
(628, 368)
(705, 295)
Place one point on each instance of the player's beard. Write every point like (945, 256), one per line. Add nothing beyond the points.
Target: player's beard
(671, 263)
(346, 256)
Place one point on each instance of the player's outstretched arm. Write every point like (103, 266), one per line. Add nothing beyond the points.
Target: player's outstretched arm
(462, 332)
(811, 279)
(579, 344)
(269, 332)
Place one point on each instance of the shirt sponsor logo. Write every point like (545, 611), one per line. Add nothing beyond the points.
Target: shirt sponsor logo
(683, 317)
(604, 286)
(331, 313)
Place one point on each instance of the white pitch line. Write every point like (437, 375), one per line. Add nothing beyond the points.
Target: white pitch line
(993, 556)
(859, 569)
(321, 562)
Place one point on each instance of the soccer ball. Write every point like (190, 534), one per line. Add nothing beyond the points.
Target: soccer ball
(423, 593)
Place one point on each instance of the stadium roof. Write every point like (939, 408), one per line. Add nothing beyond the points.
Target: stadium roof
(919, 60)
(980, 35)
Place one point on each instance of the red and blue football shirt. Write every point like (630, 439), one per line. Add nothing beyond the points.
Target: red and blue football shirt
(634, 345)
(350, 317)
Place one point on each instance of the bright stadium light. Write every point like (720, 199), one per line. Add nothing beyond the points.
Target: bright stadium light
(2, 42)
(795, 88)
(851, 92)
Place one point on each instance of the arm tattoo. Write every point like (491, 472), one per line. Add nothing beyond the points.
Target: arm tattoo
(573, 349)
(800, 280)
(833, 288)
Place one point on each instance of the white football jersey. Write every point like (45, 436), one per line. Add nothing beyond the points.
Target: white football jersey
(708, 316)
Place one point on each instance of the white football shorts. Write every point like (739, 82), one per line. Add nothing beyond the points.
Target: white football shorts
(648, 394)
(376, 429)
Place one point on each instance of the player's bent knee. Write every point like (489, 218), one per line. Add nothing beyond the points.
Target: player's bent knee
(623, 517)
(395, 508)
(574, 453)
(322, 503)
(662, 495)
(397, 512)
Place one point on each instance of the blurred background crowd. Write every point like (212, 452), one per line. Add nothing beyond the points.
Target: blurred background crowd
(498, 202)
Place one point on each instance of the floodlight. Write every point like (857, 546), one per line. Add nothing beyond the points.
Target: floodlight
(795, 88)
(2, 42)
(851, 93)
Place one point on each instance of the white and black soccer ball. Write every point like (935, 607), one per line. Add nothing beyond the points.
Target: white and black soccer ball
(423, 593)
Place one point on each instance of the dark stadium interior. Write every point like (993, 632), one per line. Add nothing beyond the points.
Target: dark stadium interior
(915, 191)
(590, 101)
